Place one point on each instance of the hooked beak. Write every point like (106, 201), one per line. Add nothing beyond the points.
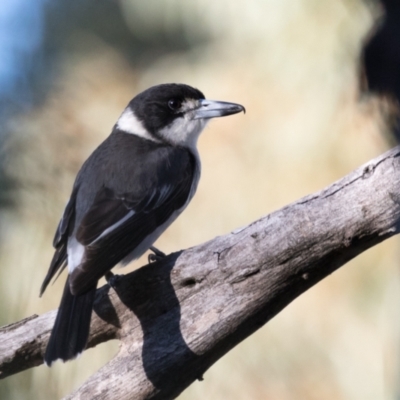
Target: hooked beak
(211, 109)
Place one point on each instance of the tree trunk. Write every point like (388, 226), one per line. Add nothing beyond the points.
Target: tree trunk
(177, 317)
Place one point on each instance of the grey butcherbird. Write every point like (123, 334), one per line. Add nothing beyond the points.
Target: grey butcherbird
(132, 187)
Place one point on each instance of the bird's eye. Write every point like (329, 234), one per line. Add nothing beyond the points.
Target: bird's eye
(174, 104)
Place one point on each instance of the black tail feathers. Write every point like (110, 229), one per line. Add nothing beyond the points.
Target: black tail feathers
(71, 329)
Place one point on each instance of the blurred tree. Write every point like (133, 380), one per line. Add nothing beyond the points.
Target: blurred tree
(44, 32)
(382, 58)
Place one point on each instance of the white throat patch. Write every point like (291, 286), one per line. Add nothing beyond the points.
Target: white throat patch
(129, 123)
(185, 130)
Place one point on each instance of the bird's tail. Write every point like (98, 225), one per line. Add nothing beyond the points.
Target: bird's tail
(71, 329)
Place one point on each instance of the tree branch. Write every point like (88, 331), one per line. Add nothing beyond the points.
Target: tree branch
(177, 317)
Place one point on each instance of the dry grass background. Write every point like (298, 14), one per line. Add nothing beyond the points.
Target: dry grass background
(294, 67)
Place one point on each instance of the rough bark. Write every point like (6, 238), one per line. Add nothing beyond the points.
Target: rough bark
(176, 317)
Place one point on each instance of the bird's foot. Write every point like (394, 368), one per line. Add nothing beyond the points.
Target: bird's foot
(112, 279)
(157, 256)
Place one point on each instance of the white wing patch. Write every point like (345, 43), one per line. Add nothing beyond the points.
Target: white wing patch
(113, 227)
(75, 252)
(129, 123)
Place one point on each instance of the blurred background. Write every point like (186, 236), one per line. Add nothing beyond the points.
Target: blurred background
(68, 69)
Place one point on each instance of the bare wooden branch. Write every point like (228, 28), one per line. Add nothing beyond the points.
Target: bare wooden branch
(176, 317)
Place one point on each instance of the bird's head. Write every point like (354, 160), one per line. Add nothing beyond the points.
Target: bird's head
(172, 113)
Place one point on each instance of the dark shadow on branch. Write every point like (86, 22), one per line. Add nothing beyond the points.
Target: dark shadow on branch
(157, 307)
(104, 308)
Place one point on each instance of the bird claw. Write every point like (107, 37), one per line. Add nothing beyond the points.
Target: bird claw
(157, 256)
(112, 279)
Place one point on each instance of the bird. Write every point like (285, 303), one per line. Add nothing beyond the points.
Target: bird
(126, 194)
